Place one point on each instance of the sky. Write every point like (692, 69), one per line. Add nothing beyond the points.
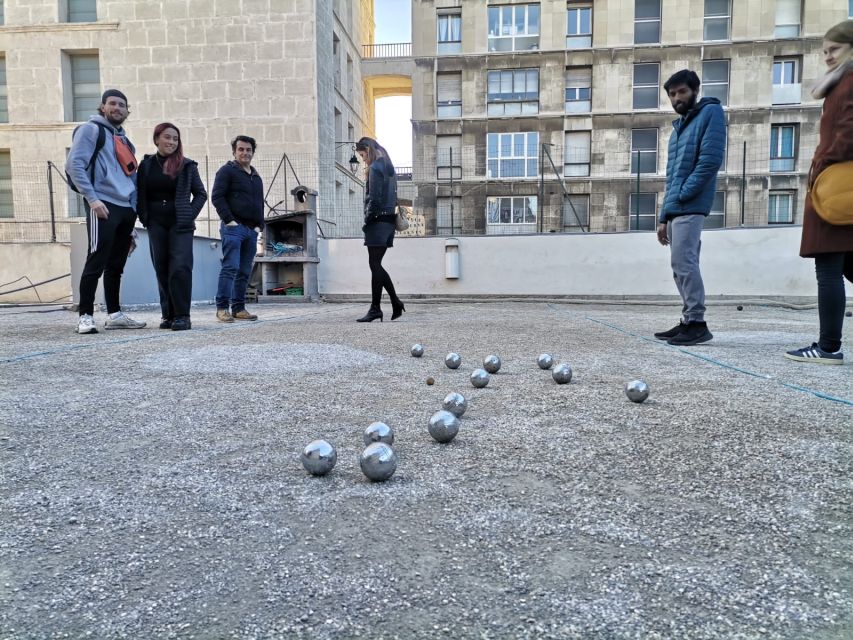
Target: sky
(393, 115)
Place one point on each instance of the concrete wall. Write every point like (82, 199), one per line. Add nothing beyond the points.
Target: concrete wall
(37, 262)
(735, 262)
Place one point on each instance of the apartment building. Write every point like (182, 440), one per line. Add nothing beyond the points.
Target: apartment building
(550, 116)
(286, 73)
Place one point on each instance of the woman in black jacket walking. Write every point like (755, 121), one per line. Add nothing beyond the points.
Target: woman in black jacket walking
(380, 207)
(170, 197)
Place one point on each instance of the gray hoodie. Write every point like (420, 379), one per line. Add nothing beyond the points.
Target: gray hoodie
(111, 183)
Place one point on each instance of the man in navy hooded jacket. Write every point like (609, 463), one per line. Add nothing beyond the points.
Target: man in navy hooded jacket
(696, 149)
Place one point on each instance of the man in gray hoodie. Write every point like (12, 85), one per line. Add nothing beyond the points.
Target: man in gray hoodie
(109, 187)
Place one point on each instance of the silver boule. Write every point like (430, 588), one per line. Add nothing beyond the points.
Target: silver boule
(637, 390)
(455, 403)
(562, 373)
(318, 457)
(452, 360)
(378, 432)
(480, 378)
(545, 361)
(492, 364)
(443, 426)
(417, 350)
(378, 461)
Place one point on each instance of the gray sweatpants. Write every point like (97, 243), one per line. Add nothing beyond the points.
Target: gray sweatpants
(685, 241)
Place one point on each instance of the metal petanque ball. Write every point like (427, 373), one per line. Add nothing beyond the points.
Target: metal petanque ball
(378, 432)
(443, 426)
(545, 361)
(452, 360)
(455, 403)
(417, 350)
(318, 457)
(378, 461)
(740, 307)
(562, 374)
(637, 390)
(480, 378)
(492, 364)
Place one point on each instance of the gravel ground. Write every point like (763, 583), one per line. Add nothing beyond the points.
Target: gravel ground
(150, 483)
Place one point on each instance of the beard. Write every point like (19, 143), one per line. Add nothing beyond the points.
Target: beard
(682, 108)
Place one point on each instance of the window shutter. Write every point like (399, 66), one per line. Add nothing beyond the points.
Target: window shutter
(787, 12)
(579, 77)
(449, 87)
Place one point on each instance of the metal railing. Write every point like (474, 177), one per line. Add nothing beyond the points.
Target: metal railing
(393, 50)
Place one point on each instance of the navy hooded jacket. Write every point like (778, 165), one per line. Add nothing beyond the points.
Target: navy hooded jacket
(697, 147)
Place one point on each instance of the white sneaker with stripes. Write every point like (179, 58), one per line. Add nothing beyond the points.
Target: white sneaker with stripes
(86, 324)
(815, 354)
(120, 321)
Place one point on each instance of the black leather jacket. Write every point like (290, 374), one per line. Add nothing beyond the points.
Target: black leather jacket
(380, 197)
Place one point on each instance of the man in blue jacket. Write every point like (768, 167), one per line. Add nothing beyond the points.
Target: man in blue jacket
(696, 149)
(102, 166)
(238, 195)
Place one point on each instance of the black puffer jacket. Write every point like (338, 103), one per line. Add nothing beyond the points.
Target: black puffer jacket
(380, 197)
(190, 194)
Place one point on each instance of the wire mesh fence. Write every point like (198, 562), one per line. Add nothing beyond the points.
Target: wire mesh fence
(511, 187)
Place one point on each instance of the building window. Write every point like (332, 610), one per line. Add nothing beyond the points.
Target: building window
(783, 147)
(4, 94)
(716, 219)
(788, 18)
(514, 92)
(718, 19)
(715, 80)
(646, 21)
(350, 78)
(646, 86)
(7, 209)
(787, 88)
(449, 95)
(336, 56)
(449, 33)
(642, 211)
(448, 214)
(644, 150)
(576, 153)
(576, 212)
(448, 157)
(578, 90)
(516, 210)
(2, 12)
(578, 26)
(780, 209)
(85, 77)
(850, 8)
(512, 155)
(81, 11)
(514, 27)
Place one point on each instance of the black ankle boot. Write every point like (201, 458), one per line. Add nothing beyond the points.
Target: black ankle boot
(372, 314)
(397, 309)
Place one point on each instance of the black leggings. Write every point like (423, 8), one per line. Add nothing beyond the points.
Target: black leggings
(379, 278)
(829, 269)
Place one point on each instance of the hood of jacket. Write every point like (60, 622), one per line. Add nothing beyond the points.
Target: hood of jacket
(679, 123)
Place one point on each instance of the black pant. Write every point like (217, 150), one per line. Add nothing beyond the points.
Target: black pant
(109, 244)
(172, 257)
(379, 278)
(829, 269)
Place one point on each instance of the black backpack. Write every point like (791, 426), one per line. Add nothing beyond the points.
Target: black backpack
(90, 167)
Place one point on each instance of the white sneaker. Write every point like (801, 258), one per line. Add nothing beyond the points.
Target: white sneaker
(121, 321)
(86, 324)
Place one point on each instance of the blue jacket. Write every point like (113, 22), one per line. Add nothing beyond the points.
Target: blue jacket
(696, 150)
(111, 184)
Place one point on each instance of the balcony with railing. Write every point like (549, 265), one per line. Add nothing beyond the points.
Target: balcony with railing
(392, 50)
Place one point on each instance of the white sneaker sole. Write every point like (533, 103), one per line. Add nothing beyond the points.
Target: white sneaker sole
(90, 330)
(123, 326)
(814, 360)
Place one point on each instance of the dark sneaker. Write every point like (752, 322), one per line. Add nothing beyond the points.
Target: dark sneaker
(165, 323)
(815, 354)
(666, 335)
(181, 324)
(692, 333)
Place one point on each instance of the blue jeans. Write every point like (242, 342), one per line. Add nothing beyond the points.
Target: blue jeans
(238, 253)
(685, 241)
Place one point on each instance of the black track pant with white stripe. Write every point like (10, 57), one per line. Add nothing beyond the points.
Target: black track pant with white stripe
(109, 243)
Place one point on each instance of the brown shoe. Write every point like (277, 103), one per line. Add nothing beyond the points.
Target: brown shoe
(223, 315)
(242, 314)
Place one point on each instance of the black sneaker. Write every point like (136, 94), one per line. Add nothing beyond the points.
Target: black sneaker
(692, 333)
(666, 335)
(815, 354)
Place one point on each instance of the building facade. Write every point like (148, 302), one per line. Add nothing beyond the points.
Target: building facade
(550, 116)
(286, 73)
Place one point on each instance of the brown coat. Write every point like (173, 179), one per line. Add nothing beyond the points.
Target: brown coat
(836, 145)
